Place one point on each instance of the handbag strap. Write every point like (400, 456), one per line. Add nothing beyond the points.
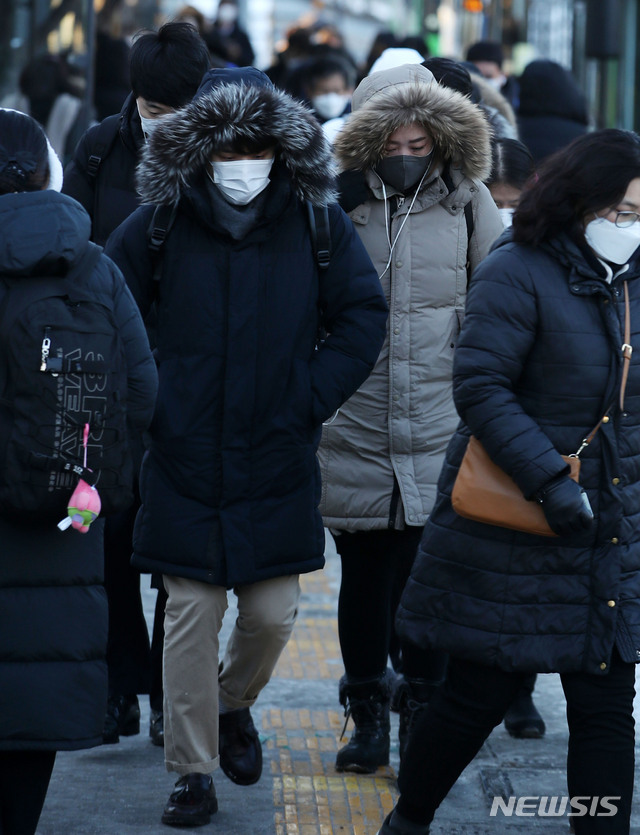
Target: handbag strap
(627, 350)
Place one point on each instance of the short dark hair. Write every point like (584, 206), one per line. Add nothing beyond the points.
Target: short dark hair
(167, 66)
(320, 68)
(590, 174)
(450, 73)
(511, 163)
(24, 153)
(486, 51)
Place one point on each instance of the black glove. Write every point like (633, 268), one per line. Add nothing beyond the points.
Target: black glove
(566, 506)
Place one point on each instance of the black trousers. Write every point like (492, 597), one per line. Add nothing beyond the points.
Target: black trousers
(134, 665)
(473, 700)
(24, 780)
(375, 569)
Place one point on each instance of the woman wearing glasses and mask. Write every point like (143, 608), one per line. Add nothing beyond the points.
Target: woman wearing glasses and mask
(544, 358)
(413, 156)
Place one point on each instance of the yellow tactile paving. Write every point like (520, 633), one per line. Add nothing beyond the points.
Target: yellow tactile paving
(309, 796)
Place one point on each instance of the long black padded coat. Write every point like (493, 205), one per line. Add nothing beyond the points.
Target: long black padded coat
(53, 607)
(230, 485)
(537, 364)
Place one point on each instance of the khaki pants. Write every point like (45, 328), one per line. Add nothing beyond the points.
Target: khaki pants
(266, 615)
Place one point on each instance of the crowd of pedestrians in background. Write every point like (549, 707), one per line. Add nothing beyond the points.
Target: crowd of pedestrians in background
(325, 346)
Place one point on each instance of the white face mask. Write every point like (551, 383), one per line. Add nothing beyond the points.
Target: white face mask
(241, 180)
(330, 105)
(497, 82)
(149, 125)
(506, 216)
(227, 13)
(612, 243)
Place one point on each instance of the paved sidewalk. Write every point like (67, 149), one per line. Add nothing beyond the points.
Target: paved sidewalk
(121, 789)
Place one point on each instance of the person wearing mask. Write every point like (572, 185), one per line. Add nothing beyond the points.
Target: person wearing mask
(413, 156)
(328, 84)
(166, 68)
(227, 39)
(543, 363)
(488, 57)
(512, 167)
(230, 483)
(53, 608)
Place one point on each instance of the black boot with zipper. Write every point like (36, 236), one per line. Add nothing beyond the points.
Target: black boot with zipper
(366, 701)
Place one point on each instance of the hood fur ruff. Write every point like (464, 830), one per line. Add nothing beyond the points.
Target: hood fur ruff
(181, 146)
(461, 132)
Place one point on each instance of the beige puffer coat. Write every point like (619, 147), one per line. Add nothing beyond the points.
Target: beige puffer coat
(381, 456)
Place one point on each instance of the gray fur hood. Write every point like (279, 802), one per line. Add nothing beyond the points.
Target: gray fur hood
(385, 101)
(180, 147)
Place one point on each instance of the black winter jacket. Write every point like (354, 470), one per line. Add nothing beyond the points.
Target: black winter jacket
(53, 608)
(553, 109)
(110, 196)
(537, 363)
(230, 485)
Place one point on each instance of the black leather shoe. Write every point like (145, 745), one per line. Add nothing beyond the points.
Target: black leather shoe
(122, 718)
(522, 719)
(156, 727)
(192, 802)
(240, 748)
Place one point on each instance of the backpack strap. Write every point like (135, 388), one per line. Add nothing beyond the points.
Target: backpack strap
(103, 138)
(468, 216)
(159, 228)
(320, 233)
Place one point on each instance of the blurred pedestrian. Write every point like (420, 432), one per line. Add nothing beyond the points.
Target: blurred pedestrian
(48, 92)
(553, 109)
(512, 167)
(230, 484)
(543, 362)
(227, 38)
(166, 68)
(53, 609)
(488, 57)
(413, 156)
(328, 85)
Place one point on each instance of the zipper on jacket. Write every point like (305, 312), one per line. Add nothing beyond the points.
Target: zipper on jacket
(45, 348)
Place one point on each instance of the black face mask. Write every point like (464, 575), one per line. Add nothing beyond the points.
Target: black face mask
(403, 172)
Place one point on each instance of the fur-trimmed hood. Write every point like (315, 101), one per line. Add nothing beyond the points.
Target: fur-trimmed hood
(231, 106)
(385, 101)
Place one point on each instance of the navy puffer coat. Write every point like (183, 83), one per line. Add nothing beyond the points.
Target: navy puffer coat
(537, 364)
(230, 486)
(53, 607)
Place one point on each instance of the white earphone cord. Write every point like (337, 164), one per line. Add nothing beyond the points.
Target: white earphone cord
(386, 218)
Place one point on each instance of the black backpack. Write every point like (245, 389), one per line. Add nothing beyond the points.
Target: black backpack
(63, 366)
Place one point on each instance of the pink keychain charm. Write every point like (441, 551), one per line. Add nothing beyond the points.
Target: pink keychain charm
(84, 504)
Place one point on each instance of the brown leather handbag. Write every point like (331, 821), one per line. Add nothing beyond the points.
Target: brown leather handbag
(484, 493)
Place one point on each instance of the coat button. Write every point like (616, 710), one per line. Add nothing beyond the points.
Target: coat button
(603, 666)
(396, 330)
(615, 480)
(614, 540)
(611, 603)
(398, 264)
(605, 419)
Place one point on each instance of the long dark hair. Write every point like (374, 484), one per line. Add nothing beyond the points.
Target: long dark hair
(24, 154)
(590, 174)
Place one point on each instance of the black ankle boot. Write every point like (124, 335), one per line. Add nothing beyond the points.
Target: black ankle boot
(522, 719)
(367, 703)
(413, 697)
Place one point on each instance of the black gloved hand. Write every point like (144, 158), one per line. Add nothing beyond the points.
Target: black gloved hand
(566, 506)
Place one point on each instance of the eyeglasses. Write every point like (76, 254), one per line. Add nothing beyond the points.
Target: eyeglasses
(626, 219)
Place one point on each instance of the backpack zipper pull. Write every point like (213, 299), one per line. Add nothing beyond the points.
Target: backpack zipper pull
(46, 345)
